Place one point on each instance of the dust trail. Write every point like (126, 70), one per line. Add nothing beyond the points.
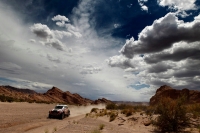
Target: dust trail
(80, 110)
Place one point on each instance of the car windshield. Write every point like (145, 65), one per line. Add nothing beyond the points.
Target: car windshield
(58, 107)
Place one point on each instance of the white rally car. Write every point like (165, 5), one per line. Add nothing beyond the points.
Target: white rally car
(60, 111)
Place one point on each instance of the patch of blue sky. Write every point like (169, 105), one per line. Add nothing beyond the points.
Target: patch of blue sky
(142, 55)
(136, 73)
(6, 80)
(139, 86)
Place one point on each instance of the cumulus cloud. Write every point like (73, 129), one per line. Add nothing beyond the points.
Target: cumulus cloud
(60, 18)
(178, 4)
(162, 34)
(50, 36)
(167, 53)
(55, 43)
(71, 30)
(176, 55)
(119, 61)
(41, 31)
(61, 34)
(141, 3)
(144, 8)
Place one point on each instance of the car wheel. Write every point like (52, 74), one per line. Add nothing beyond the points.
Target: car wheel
(62, 116)
(68, 115)
(49, 116)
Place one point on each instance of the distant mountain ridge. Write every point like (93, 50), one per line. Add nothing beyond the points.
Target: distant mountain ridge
(53, 95)
(192, 96)
(28, 91)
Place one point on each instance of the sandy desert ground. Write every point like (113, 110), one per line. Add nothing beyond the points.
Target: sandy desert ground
(32, 118)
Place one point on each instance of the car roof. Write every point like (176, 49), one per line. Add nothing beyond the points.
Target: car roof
(62, 105)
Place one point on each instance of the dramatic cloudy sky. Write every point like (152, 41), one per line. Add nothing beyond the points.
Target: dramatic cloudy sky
(117, 49)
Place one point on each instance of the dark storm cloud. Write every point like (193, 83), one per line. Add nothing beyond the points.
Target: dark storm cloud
(159, 82)
(158, 68)
(177, 55)
(190, 69)
(163, 33)
(187, 73)
(193, 86)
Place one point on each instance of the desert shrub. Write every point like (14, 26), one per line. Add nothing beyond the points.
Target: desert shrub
(54, 129)
(140, 108)
(103, 112)
(172, 115)
(150, 110)
(94, 110)
(127, 112)
(10, 99)
(111, 106)
(87, 114)
(101, 126)
(113, 115)
(20, 100)
(124, 106)
(4, 98)
(194, 109)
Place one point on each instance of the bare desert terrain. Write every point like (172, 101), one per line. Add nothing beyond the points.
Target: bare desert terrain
(32, 118)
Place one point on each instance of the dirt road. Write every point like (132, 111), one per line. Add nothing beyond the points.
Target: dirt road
(32, 117)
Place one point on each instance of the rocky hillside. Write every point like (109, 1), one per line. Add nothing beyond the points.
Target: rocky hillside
(192, 96)
(54, 95)
(103, 100)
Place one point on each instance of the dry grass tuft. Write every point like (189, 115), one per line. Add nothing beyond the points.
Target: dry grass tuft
(94, 110)
(113, 115)
(101, 127)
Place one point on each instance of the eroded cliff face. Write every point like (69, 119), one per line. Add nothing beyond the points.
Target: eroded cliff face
(191, 96)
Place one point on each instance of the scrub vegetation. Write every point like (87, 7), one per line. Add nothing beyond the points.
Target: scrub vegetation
(167, 116)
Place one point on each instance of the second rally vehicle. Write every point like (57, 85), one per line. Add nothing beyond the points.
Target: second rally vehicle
(60, 111)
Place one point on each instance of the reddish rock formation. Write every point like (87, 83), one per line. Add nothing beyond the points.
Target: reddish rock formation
(103, 100)
(54, 95)
(192, 96)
